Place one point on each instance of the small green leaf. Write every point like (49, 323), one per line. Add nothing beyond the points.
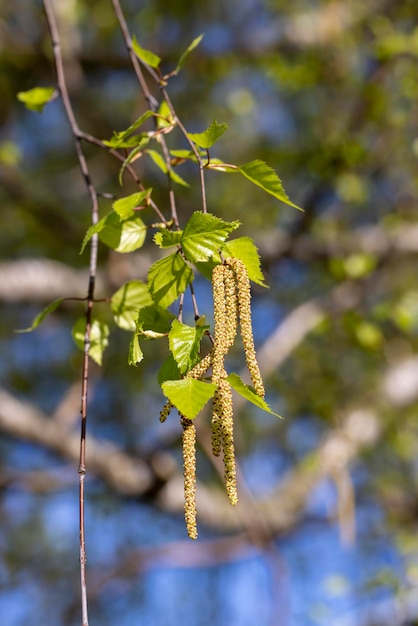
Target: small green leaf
(164, 116)
(188, 395)
(248, 393)
(35, 99)
(204, 235)
(265, 177)
(146, 56)
(168, 278)
(154, 322)
(169, 370)
(196, 41)
(168, 238)
(135, 352)
(121, 235)
(42, 315)
(161, 164)
(209, 136)
(123, 139)
(98, 338)
(124, 207)
(245, 249)
(126, 302)
(184, 342)
(134, 154)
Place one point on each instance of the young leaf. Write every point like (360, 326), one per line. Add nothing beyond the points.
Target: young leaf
(161, 164)
(169, 370)
(209, 136)
(121, 139)
(42, 315)
(196, 41)
(164, 116)
(98, 338)
(135, 352)
(168, 238)
(134, 154)
(35, 99)
(245, 249)
(126, 302)
(168, 278)
(248, 393)
(203, 235)
(123, 236)
(188, 395)
(146, 56)
(265, 177)
(153, 322)
(184, 342)
(124, 207)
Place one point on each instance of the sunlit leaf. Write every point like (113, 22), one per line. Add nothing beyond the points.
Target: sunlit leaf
(135, 353)
(245, 249)
(123, 236)
(161, 164)
(203, 235)
(167, 238)
(248, 393)
(184, 342)
(154, 322)
(265, 177)
(132, 156)
(42, 315)
(196, 41)
(164, 117)
(121, 138)
(188, 395)
(207, 138)
(126, 302)
(124, 207)
(146, 56)
(35, 99)
(168, 278)
(169, 370)
(98, 338)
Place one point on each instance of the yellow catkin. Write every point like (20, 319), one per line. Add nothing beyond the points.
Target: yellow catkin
(201, 368)
(219, 313)
(231, 306)
(189, 471)
(227, 437)
(244, 307)
(165, 411)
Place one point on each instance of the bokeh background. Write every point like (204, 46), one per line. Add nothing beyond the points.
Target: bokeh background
(326, 529)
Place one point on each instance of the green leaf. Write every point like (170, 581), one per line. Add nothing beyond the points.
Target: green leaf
(204, 235)
(209, 136)
(184, 342)
(124, 207)
(42, 315)
(123, 139)
(168, 278)
(169, 370)
(265, 177)
(135, 153)
(146, 56)
(135, 353)
(98, 338)
(126, 302)
(196, 41)
(121, 235)
(164, 116)
(245, 249)
(35, 99)
(168, 238)
(248, 393)
(161, 164)
(154, 322)
(188, 395)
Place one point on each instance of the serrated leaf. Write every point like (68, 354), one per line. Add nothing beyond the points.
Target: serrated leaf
(168, 278)
(123, 236)
(249, 394)
(245, 249)
(42, 315)
(184, 342)
(169, 370)
(135, 353)
(161, 164)
(153, 322)
(209, 136)
(188, 395)
(203, 235)
(126, 302)
(124, 207)
(265, 177)
(98, 338)
(35, 99)
(196, 41)
(146, 56)
(123, 139)
(168, 238)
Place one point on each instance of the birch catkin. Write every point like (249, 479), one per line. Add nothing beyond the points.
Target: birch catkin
(189, 471)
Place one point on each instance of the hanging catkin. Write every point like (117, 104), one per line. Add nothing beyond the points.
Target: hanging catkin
(189, 472)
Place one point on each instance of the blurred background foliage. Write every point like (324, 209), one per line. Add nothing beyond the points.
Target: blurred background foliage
(326, 93)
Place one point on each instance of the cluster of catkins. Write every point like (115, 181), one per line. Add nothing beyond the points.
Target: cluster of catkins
(232, 308)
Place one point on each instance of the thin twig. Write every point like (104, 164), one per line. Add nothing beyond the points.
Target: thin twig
(59, 66)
